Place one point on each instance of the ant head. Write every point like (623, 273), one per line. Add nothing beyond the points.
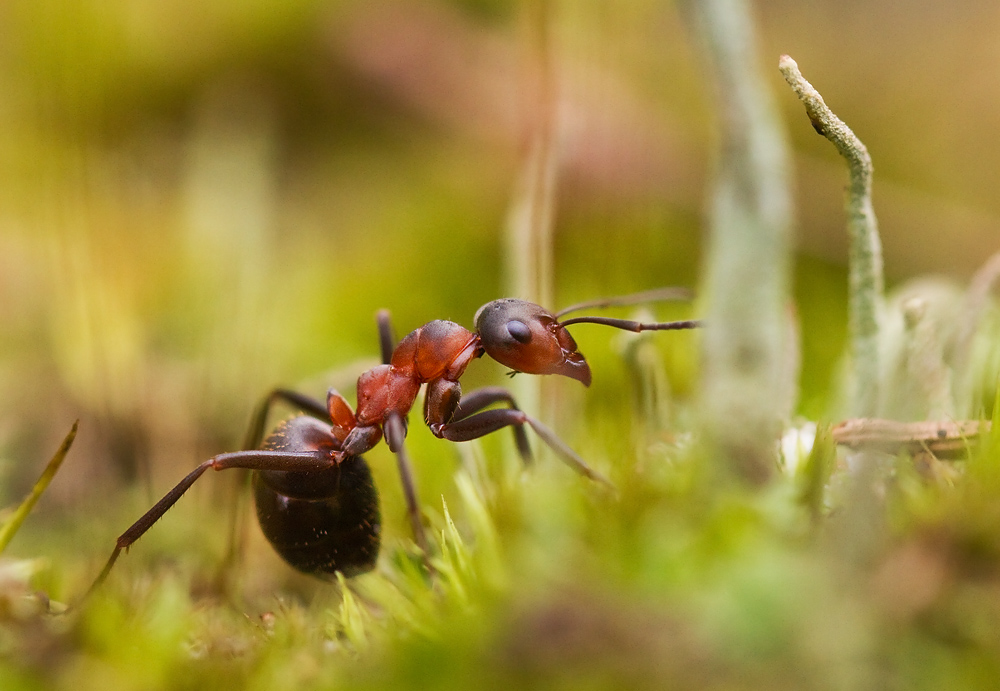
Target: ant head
(528, 338)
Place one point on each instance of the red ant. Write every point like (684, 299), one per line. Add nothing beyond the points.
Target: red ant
(316, 502)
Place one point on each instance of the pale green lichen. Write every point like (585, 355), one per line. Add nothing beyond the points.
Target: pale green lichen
(865, 263)
(746, 282)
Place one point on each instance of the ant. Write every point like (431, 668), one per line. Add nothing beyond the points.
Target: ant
(315, 499)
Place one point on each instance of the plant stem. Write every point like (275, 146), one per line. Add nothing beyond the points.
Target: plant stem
(866, 282)
(10, 527)
(747, 275)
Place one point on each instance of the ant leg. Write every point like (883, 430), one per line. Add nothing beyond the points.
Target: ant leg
(251, 460)
(395, 435)
(386, 338)
(252, 440)
(476, 400)
(489, 421)
(387, 344)
(307, 404)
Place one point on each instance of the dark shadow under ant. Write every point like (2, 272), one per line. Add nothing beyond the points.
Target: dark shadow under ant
(315, 499)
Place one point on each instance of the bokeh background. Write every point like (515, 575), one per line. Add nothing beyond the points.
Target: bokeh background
(200, 201)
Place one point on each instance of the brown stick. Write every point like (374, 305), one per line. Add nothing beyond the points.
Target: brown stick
(944, 439)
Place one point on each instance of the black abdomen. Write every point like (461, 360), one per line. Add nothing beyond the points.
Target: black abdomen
(332, 522)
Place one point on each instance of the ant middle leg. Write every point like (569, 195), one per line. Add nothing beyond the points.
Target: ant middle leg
(307, 404)
(336, 410)
(394, 431)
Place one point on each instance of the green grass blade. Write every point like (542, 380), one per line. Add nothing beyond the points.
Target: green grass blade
(11, 525)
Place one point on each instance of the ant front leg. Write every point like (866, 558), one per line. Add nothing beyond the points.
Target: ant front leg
(446, 421)
(476, 400)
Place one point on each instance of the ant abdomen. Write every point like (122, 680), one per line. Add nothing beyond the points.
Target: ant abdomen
(320, 521)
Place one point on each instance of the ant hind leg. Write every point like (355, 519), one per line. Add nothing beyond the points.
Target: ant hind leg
(307, 404)
(250, 460)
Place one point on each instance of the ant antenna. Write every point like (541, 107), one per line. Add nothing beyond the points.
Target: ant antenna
(656, 295)
(629, 325)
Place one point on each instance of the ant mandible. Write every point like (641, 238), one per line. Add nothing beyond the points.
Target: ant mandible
(315, 499)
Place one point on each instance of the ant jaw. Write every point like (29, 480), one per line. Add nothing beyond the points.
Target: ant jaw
(572, 363)
(575, 367)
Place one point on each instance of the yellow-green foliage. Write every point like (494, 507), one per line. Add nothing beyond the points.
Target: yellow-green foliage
(201, 201)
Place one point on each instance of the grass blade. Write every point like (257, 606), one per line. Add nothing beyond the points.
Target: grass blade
(10, 527)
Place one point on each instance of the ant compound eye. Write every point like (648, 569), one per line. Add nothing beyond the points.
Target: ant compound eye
(505, 323)
(519, 331)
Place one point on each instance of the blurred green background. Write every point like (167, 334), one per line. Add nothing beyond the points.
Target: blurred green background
(200, 201)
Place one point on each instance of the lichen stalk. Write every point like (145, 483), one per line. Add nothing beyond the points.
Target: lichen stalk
(746, 280)
(865, 261)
